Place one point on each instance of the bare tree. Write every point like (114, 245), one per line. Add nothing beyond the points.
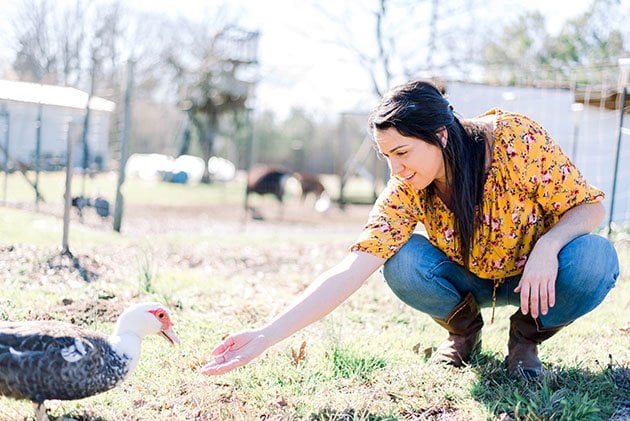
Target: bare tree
(61, 45)
(36, 55)
(214, 67)
(70, 43)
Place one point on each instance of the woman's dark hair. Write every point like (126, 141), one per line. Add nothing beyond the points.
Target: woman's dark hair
(418, 109)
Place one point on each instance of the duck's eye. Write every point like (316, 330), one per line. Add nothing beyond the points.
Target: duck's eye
(161, 315)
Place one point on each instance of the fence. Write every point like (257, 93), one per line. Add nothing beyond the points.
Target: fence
(584, 118)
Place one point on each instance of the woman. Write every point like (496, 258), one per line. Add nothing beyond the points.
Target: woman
(507, 217)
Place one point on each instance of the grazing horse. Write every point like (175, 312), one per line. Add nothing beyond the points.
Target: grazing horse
(272, 180)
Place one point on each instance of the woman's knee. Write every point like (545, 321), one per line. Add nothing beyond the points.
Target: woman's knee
(409, 263)
(589, 262)
(410, 275)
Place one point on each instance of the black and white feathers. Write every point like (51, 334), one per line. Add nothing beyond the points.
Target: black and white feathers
(42, 360)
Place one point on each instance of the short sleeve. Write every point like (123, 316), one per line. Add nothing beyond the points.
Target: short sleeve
(391, 221)
(540, 167)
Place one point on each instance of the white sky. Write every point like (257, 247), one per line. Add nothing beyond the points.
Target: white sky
(302, 69)
(298, 67)
(323, 80)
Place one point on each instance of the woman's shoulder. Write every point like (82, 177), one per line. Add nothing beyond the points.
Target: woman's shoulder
(506, 120)
(497, 120)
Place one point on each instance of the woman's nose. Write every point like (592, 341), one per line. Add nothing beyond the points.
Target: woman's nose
(394, 167)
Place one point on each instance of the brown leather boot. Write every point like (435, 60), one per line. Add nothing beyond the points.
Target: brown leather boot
(526, 333)
(464, 325)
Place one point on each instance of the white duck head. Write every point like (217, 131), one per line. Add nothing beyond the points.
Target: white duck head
(138, 321)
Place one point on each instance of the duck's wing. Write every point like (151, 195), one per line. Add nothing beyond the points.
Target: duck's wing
(39, 335)
(54, 360)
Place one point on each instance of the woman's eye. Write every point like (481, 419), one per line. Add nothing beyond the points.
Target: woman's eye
(401, 153)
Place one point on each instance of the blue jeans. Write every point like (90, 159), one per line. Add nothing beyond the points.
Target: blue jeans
(423, 277)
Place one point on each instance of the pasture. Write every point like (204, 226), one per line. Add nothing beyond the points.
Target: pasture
(193, 249)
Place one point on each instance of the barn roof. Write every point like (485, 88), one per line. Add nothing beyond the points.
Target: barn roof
(51, 95)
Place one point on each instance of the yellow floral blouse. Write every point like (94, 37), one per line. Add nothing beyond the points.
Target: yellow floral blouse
(530, 184)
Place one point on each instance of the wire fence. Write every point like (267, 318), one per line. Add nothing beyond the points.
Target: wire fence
(582, 110)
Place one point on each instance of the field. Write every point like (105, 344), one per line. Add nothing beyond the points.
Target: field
(194, 249)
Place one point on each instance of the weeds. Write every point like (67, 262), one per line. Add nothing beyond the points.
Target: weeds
(348, 363)
(358, 364)
(146, 273)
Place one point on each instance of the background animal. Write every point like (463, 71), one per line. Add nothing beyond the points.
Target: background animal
(267, 180)
(41, 360)
(273, 180)
(312, 186)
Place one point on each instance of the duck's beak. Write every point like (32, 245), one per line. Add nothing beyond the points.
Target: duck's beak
(170, 335)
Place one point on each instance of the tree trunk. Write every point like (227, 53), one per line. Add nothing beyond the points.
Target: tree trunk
(206, 136)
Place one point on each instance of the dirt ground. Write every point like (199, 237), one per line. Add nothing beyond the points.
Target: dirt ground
(219, 218)
(30, 266)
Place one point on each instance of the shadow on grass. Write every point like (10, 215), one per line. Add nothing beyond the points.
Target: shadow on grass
(76, 417)
(346, 415)
(561, 393)
(434, 413)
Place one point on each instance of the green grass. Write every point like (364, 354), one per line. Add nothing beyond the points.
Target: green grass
(138, 192)
(365, 361)
(135, 191)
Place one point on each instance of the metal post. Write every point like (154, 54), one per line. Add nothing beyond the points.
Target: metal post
(65, 248)
(577, 110)
(124, 147)
(251, 152)
(6, 128)
(38, 147)
(86, 127)
(621, 133)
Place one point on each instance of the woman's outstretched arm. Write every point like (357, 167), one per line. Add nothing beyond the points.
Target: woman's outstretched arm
(328, 291)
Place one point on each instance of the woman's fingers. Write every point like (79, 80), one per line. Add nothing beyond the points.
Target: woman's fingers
(220, 365)
(534, 301)
(524, 290)
(536, 297)
(223, 346)
(551, 288)
(236, 350)
(544, 297)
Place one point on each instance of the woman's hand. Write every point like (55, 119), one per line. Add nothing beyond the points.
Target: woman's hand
(328, 291)
(538, 283)
(235, 351)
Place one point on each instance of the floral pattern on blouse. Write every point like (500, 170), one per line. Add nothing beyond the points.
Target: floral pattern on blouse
(530, 184)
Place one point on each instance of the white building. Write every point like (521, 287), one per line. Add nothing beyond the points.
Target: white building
(19, 109)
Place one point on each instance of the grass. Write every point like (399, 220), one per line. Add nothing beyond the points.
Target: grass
(140, 192)
(365, 361)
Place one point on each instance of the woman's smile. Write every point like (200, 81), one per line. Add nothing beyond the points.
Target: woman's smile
(410, 159)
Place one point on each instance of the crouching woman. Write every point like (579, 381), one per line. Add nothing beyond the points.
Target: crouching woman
(507, 217)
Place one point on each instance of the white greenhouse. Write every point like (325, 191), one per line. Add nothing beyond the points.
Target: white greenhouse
(20, 106)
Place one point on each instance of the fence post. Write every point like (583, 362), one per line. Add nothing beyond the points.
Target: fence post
(622, 131)
(124, 147)
(6, 128)
(38, 145)
(65, 248)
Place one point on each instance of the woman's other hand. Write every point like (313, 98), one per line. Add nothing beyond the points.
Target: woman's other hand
(235, 351)
(537, 286)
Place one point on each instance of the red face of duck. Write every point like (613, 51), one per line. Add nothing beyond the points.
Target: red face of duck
(167, 326)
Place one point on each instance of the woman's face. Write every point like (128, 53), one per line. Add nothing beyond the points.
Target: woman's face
(411, 159)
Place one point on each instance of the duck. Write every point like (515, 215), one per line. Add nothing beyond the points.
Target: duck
(44, 360)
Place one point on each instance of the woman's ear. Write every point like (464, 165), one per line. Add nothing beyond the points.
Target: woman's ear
(443, 136)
